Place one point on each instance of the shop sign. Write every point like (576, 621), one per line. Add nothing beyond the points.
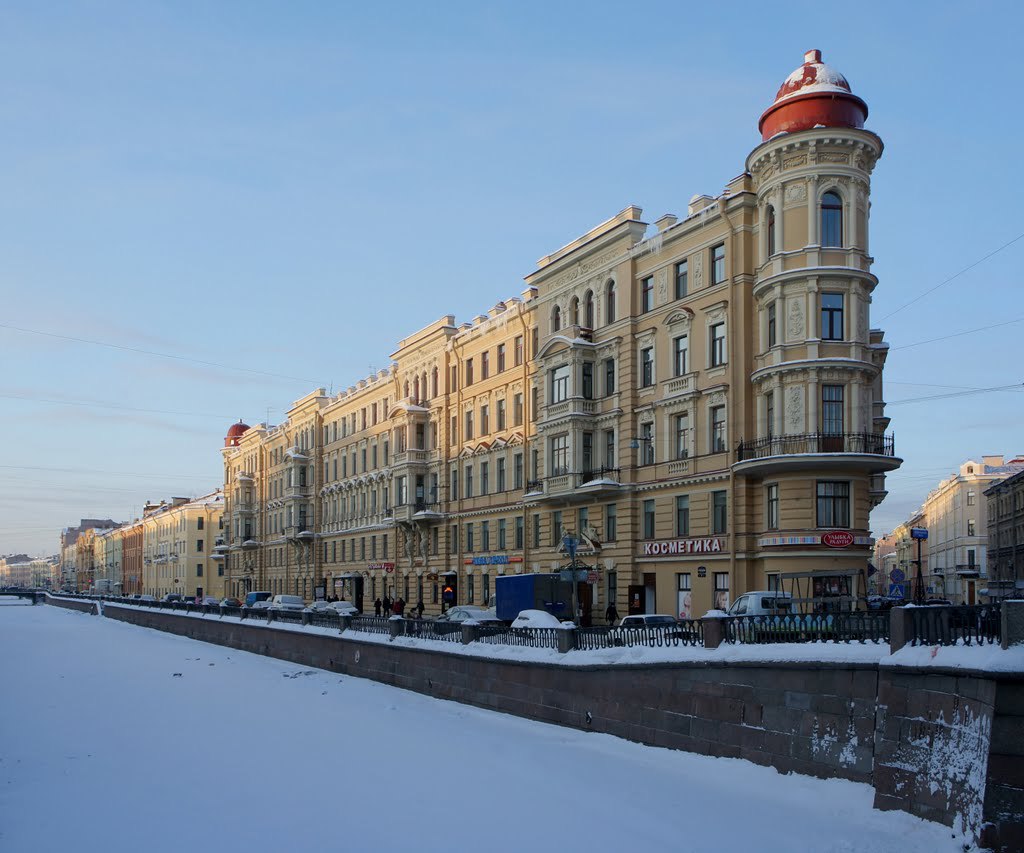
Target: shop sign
(388, 567)
(592, 577)
(837, 539)
(492, 560)
(702, 571)
(672, 547)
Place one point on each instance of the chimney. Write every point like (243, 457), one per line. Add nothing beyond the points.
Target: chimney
(992, 461)
(812, 56)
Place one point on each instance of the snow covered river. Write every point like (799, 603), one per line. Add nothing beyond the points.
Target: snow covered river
(116, 738)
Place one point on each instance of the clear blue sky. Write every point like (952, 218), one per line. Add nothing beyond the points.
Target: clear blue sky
(238, 182)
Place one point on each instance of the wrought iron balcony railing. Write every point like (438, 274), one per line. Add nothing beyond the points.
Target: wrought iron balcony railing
(871, 443)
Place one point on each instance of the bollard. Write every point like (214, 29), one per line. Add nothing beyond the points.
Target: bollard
(346, 623)
(714, 631)
(566, 640)
(395, 626)
(901, 628)
(305, 618)
(470, 634)
(1011, 618)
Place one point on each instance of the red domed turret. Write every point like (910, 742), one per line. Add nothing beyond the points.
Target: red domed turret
(235, 432)
(815, 95)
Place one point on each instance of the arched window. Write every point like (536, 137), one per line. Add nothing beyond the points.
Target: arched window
(574, 311)
(588, 309)
(434, 388)
(770, 225)
(610, 301)
(406, 395)
(416, 390)
(831, 220)
(556, 319)
(423, 385)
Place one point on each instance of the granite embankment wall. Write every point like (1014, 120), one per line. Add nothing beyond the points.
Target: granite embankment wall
(945, 745)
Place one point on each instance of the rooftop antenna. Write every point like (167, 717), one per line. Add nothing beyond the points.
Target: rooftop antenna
(267, 421)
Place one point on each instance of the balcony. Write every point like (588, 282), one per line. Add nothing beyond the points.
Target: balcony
(573, 407)
(298, 532)
(297, 492)
(874, 452)
(572, 486)
(412, 457)
(418, 511)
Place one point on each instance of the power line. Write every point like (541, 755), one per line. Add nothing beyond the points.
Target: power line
(110, 473)
(958, 334)
(88, 405)
(1016, 387)
(952, 277)
(156, 354)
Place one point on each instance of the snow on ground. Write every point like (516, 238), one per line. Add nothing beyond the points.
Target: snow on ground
(117, 738)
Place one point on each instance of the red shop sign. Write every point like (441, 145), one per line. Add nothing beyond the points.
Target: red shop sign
(837, 539)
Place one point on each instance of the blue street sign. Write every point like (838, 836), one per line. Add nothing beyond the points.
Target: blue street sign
(896, 575)
(570, 543)
(918, 533)
(896, 590)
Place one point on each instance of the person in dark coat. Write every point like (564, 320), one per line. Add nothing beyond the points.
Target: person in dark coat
(611, 615)
(377, 604)
(419, 609)
(387, 605)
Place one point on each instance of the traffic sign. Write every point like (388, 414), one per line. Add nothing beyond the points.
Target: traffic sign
(918, 533)
(570, 543)
(896, 590)
(896, 576)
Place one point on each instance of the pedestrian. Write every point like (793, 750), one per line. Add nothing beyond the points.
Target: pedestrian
(611, 615)
(387, 605)
(376, 606)
(399, 606)
(419, 609)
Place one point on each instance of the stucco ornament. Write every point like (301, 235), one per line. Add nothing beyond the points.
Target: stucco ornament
(796, 192)
(795, 327)
(662, 280)
(698, 272)
(795, 409)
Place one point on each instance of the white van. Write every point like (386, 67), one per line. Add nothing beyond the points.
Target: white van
(288, 602)
(765, 602)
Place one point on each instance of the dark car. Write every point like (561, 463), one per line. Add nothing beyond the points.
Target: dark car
(230, 602)
(171, 596)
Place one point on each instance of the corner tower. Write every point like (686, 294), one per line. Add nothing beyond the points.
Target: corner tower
(820, 449)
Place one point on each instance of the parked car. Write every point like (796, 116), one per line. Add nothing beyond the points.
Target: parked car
(939, 602)
(210, 600)
(147, 597)
(535, 619)
(252, 598)
(656, 624)
(643, 620)
(763, 603)
(171, 596)
(287, 602)
(343, 608)
(230, 602)
(453, 618)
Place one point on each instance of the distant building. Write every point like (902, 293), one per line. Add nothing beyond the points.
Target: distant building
(1005, 506)
(177, 544)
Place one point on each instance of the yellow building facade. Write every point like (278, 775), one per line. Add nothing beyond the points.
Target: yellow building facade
(178, 542)
(699, 405)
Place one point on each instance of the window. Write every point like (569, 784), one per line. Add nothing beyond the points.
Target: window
(682, 436)
(536, 530)
(609, 448)
(502, 534)
(646, 443)
(517, 410)
(485, 365)
(717, 429)
(485, 418)
(199, 545)
(832, 409)
(469, 425)
(770, 225)
(970, 498)
(556, 528)
(721, 590)
(485, 536)
(719, 518)
(771, 325)
(518, 350)
(647, 367)
(682, 515)
(518, 533)
(501, 474)
(556, 319)
(470, 595)
(588, 309)
(833, 504)
(646, 294)
(199, 570)
(970, 557)
(610, 522)
(453, 487)
(574, 311)
(560, 384)
(559, 455)
(609, 376)
(680, 350)
(970, 527)
(199, 523)
(587, 452)
(648, 519)
(718, 264)
(485, 478)
(587, 377)
(517, 471)
(468, 492)
(469, 536)
(771, 497)
(769, 413)
(609, 295)
(501, 357)
(453, 539)
(831, 316)
(469, 371)
(682, 276)
(716, 339)
(831, 220)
